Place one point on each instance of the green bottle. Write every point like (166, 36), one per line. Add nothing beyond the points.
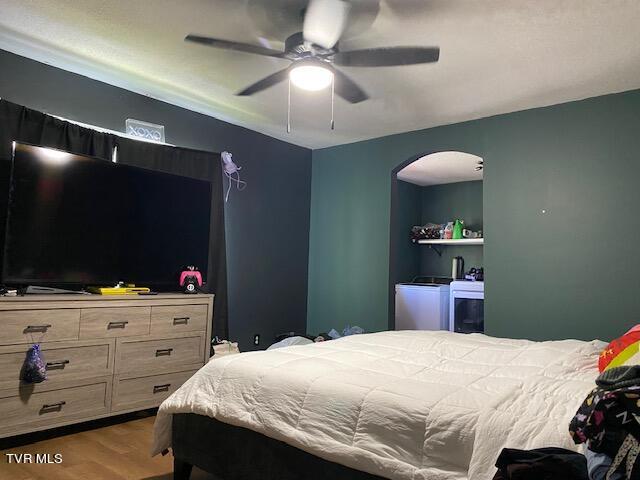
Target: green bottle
(457, 230)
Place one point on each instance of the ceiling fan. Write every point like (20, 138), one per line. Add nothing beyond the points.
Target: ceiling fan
(314, 54)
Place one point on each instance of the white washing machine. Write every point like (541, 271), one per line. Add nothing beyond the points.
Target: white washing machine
(422, 306)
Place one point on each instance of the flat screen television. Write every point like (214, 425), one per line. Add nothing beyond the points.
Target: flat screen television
(74, 221)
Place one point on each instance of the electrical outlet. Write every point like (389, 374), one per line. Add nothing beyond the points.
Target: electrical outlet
(256, 339)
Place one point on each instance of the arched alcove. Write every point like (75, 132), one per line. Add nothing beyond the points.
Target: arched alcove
(435, 187)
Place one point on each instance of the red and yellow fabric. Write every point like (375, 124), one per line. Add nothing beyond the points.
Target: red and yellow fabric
(622, 351)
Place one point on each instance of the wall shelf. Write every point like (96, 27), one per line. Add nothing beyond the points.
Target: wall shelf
(462, 241)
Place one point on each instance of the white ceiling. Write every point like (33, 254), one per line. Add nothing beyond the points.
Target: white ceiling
(496, 56)
(442, 167)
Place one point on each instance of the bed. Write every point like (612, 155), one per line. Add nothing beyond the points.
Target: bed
(403, 405)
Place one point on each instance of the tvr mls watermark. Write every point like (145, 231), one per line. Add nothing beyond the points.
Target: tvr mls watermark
(45, 458)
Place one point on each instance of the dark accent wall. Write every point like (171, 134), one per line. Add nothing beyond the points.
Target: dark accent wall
(560, 206)
(440, 204)
(267, 224)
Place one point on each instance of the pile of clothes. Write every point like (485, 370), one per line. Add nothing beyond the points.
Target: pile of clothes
(290, 339)
(541, 464)
(608, 422)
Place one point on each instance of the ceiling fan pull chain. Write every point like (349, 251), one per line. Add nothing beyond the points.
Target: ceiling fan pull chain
(333, 96)
(289, 108)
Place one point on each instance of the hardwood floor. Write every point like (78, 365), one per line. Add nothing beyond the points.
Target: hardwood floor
(116, 451)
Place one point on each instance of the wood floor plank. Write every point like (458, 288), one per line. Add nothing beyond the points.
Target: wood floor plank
(113, 452)
(14, 472)
(93, 471)
(115, 442)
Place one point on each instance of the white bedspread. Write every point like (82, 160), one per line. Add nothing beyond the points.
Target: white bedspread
(402, 405)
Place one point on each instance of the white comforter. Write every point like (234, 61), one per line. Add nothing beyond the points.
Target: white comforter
(403, 405)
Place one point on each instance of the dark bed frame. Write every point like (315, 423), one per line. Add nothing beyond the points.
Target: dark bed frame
(236, 453)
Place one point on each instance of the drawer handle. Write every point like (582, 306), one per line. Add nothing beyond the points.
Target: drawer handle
(161, 388)
(180, 320)
(163, 351)
(37, 328)
(56, 365)
(121, 324)
(52, 407)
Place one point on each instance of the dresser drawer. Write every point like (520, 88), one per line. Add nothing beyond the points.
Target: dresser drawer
(146, 392)
(178, 318)
(25, 409)
(145, 355)
(28, 326)
(64, 361)
(114, 322)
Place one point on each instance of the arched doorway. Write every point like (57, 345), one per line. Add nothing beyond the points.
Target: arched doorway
(431, 190)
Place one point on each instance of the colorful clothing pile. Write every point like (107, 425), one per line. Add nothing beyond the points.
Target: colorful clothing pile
(608, 421)
(622, 351)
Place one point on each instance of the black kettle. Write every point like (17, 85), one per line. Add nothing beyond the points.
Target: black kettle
(457, 268)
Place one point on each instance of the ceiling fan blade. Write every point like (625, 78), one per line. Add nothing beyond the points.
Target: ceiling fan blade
(387, 56)
(235, 46)
(281, 18)
(347, 88)
(265, 83)
(325, 21)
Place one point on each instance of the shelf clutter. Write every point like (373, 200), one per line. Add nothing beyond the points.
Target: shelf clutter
(451, 233)
(461, 241)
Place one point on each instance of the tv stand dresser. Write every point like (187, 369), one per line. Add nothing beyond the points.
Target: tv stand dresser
(105, 355)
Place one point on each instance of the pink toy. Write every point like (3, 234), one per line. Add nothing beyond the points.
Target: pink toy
(190, 279)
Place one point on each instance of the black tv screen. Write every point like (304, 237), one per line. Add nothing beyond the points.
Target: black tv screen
(74, 220)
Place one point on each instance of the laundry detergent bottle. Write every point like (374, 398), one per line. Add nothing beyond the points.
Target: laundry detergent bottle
(457, 230)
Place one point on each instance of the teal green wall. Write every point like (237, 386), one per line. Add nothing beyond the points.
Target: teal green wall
(569, 272)
(349, 232)
(409, 213)
(443, 203)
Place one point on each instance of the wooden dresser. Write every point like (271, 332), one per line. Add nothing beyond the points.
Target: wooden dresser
(105, 355)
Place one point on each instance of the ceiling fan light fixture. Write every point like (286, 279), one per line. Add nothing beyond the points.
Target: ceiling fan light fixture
(311, 77)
